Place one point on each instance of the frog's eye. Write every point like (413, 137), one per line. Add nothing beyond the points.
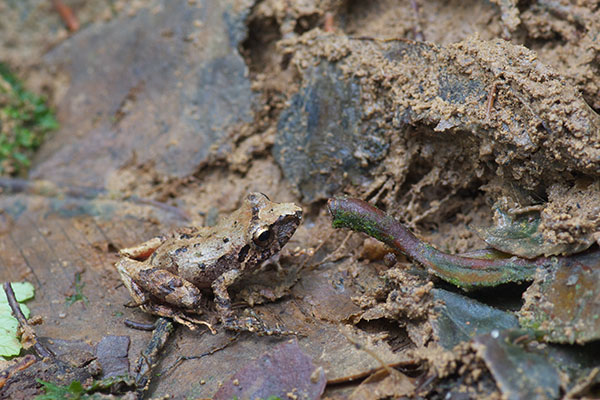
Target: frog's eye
(262, 237)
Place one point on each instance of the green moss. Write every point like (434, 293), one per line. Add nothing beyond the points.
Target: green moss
(343, 219)
(24, 121)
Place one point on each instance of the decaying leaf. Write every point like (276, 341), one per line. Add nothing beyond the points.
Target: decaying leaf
(564, 301)
(520, 235)
(519, 373)
(523, 368)
(286, 371)
(461, 318)
(383, 385)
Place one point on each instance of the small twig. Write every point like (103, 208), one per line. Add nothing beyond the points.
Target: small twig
(308, 258)
(433, 209)
(149, 357)
(140, 326)
(22, 364)
(381, 190)
(67, 15)
(329, 22)
(527, 209)
(523, 338)
(490, 100)
(14, 304)
(41, 351)
(584, 386)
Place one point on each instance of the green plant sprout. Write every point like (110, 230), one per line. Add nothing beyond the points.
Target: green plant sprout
(78, 295)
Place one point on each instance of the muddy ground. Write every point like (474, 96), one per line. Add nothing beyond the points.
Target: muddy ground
(447, 114)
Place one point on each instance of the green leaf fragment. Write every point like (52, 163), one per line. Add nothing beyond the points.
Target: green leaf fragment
(23, 291)
(5, 309)
(53, 392)
(75, 390)
(8, 324)
(9, 342)
(10, 346)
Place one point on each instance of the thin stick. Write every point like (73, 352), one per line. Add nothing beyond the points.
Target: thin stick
(41, 351)
(490, 100)
(22, 364)
(67, 15)
(149, 357)
(329, 22)
(140, 326)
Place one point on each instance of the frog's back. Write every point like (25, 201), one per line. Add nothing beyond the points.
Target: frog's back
(204, 256)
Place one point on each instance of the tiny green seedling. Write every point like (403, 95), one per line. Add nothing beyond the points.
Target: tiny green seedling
(78, 295)
(75, 390)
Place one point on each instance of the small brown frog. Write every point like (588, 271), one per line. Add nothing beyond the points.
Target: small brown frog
(165, 274)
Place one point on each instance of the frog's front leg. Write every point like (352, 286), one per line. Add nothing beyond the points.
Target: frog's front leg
(222, 299)
(228, 318)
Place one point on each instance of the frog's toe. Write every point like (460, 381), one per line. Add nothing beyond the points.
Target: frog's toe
(177, 315)
(187, 320)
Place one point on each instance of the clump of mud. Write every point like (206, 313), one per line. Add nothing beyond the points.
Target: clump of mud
(427, 127)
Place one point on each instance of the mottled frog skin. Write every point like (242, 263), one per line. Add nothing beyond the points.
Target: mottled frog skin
(165, 274)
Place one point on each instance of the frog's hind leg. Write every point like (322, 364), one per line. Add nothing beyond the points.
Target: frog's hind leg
(165, 286)
(144, 283)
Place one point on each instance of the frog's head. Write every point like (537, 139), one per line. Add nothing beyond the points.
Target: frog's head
(272, 224)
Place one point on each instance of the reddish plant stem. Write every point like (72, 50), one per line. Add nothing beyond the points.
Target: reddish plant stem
(490, 100)
(464, 272)
(67, 15)
(22, 364)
